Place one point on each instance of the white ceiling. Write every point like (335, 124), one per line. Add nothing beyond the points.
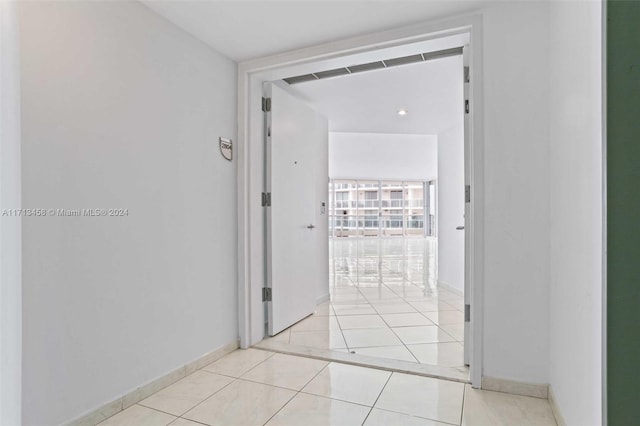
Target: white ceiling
(242, 29)
(364, 102)
(368, 102)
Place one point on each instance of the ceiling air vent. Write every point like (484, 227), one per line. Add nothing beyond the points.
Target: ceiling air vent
(332, 73)
(393, 62)
(300, 78)
(442, 53)
(404, 60)
(366, 67)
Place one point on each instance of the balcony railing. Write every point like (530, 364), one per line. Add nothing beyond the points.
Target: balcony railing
(352, 222)
(374, 204)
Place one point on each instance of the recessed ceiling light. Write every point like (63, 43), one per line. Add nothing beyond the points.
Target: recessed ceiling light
(403, 112)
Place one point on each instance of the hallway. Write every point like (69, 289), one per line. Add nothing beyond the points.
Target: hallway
(385, 303)
(256, 387)
(153, 114)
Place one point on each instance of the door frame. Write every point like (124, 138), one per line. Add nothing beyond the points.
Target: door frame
(251, 232)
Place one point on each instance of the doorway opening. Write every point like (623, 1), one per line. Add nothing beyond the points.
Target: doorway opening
(387, 298)
(399, 215)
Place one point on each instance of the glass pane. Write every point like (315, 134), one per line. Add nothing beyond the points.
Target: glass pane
(414, 208)
(368, 202)
(344, 208)
(392, 205)
(431, 216)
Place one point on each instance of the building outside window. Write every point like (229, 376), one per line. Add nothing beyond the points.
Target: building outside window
(374, 208)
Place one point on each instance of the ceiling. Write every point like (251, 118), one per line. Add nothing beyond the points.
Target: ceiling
(368, 102)
(243, 30)
(365, 102)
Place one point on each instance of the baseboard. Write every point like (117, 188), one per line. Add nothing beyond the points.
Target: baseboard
(322, 299)
(125, 401)
(555, 408)
(450, 288)
(536, 390)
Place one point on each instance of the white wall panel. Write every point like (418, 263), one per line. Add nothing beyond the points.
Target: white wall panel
(121, 109)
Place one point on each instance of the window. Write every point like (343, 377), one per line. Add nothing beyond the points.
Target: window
(342, 200)
(415, 222)
(371, 221)
(370, 199)
(395, 221)
(392, 207)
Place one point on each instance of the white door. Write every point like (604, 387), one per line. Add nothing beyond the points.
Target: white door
(297, 226)
(467, 207)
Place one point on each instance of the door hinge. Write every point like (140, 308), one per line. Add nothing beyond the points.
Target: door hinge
(467, 313)
(466, 106)
(266, 199)
(266, 104)
(466, 75)
(266, 294)
(467, 193)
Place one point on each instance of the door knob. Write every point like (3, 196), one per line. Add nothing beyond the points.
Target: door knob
(310, 226)
(459, 228)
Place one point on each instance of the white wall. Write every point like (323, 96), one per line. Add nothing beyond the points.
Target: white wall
(576, 210)
(451, 206)
(382, 156)
(121, 109)
(10, 226)
(516, 172)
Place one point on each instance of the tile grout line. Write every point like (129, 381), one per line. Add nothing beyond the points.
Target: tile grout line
(235, 379)
(150, 408)
(396, 334)
(372, 307)
(199, 403)
(280, 409)
(296, 393)
(336, 399)
(464, 396)
(379, 395)
(386, 286)
(410, 268)
(244, 380)
(401, 341)
(139, 403)
(436, 324)
(416, 416)
(341, 332)
(344, 338)
(189, 420)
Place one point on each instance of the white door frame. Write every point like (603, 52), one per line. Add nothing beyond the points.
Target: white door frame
(251, 75)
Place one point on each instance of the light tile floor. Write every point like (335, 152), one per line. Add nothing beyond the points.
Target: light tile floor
(256, 387)
(385, 302)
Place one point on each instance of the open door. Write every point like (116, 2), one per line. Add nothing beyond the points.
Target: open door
(296, 196)
(467, 206)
